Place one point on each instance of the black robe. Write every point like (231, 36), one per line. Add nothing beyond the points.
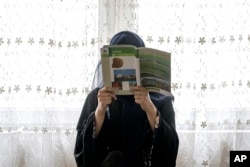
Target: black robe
(127, 130)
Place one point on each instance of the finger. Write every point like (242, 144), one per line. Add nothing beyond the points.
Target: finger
(138, 96)
(105, 101)
(139, 88)
(111, 94)
(106, 93)
(140, 91)
(135, 88)
(104, 96)
(107, 89)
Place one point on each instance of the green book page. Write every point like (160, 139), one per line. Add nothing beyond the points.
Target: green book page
(119, 50)
(155, 69)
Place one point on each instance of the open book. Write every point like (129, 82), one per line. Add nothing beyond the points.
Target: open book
(124, 66)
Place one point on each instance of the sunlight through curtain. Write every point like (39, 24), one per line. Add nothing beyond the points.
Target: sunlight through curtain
(209, 42)
(49, 50)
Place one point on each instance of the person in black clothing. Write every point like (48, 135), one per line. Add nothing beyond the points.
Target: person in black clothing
(137, 130)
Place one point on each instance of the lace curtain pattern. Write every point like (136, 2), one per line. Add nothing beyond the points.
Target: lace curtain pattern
(209, 42)
(49, 50)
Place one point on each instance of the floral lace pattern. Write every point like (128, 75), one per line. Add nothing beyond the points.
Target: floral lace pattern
(48, 53)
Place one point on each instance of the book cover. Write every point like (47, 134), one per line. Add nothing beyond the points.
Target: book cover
(120, 66)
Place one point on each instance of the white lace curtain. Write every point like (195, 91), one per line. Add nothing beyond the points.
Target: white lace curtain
(48, 53)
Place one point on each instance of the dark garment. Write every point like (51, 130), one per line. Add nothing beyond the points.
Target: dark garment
(113, 159)
(128, 131)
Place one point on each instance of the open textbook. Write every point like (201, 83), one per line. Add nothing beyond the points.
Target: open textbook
(124, 66)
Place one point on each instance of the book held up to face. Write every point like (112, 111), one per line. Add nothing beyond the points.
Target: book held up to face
(125, 66)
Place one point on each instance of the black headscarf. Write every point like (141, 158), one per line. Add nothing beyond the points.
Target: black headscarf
(127, 38)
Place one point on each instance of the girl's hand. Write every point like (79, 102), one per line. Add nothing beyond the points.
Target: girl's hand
(142, 97)
(105, 96)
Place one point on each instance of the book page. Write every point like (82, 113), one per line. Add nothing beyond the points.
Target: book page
(155, 70)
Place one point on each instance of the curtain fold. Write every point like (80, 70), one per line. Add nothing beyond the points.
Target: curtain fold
(49, 50)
